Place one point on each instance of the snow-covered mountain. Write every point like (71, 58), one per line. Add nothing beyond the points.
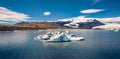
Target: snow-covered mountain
(82, 22)
(108, 27)
(111, 20)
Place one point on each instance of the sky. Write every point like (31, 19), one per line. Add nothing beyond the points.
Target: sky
(47, 10)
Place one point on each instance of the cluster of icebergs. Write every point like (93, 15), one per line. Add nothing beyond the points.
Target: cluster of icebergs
(58, 36)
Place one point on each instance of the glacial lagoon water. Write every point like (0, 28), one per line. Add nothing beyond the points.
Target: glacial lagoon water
(98, 44)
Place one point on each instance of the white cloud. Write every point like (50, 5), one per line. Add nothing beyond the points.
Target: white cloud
(91, 11)
(95, 1)
(47, 13)
(6, 14)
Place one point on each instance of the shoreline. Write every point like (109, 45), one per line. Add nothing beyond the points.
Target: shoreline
(43, 29)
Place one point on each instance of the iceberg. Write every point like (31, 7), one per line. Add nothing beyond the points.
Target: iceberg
(58, 36)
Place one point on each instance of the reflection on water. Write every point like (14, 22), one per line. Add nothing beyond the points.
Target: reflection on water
(97, 45)
(7, 38)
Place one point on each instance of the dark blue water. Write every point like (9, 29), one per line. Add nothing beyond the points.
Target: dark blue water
(97, 45)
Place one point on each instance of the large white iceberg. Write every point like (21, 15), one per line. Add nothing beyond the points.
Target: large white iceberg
(58, 36)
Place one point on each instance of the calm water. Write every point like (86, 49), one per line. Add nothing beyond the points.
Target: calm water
(97, 45)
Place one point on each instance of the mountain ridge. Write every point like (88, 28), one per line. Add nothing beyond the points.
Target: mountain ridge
(72, 24)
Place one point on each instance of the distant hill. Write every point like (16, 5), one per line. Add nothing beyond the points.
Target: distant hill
(59, 23)
(29, 27)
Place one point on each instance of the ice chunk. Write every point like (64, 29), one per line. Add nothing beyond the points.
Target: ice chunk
(58, 36)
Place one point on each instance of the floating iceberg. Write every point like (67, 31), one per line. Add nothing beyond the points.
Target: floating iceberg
(58, 36)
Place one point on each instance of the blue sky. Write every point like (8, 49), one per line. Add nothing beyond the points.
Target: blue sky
(60, 9)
